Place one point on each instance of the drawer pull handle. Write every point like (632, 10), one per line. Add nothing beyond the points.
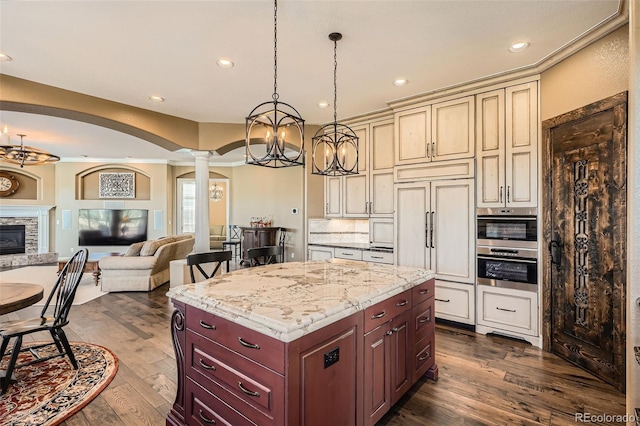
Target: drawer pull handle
(506, 310)
(247, 391)
(443, 300)
(207, 366)
(207, 326)
(403, 303)
(247, 344)
(347, 254)
(423, 356)
(425, 291)
(377, 257)
(380, 315)
(205, 419)
(423, 320)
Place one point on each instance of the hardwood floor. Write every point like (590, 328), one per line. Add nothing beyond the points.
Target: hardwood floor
(483, 380)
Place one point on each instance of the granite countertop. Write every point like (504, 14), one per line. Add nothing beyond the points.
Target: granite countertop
(357, 246)
(289, 300)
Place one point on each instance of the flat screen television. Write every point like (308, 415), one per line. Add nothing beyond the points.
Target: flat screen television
(102, 227)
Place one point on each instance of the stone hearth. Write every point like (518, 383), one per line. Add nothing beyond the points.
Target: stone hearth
(36, 221)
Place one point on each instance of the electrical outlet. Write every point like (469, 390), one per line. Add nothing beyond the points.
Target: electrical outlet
(293, 255)
(72, 250)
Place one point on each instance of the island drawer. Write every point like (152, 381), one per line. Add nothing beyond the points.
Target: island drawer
(256, 346)
(344, 253)
(203, 408)
(249, 382)
(384, 311)
(423, 291)
(377, 257)
(424, 356)
(423, 319)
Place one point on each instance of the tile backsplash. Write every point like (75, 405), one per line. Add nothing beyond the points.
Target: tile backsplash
(338, 231)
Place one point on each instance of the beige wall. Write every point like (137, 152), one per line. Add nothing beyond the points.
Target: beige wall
(262, 191)
(64, 186)
(594, 73)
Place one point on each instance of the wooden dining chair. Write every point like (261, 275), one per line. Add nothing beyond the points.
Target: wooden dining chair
(61, 299)
(198, 259)
(264, 255)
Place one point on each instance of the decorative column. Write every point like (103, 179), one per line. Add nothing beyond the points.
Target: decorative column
(202, 201)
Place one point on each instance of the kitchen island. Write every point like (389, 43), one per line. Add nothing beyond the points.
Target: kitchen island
(302, 343)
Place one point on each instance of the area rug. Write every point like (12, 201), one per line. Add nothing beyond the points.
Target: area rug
(47, 393)
(46, 276)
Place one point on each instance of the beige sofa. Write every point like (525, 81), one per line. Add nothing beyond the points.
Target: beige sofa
(145, 265)
(217, 234)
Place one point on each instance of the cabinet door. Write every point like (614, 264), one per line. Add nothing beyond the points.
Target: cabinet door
(333, 196)
(452, 230)
(455, 302)
(413, 136)
(356, 195)
(400, 361)
(490, 148)
(522, 145)
(515, 311)
(381, 232)
(381, 169)
(412, 202)
(452, 129)
(377, 392)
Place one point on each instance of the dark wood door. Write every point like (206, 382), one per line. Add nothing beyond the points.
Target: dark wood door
(586, 237)
(400, 356)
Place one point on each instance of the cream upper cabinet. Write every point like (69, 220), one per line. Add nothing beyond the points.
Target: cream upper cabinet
(507, 146)
(381, 168)
(441, 131)
(355, 194)
(370, 192)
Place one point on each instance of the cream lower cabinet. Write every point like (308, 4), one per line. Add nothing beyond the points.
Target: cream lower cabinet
(435, 229)
(319, 252)
(507, 146)
(509, 312)
(455, 302)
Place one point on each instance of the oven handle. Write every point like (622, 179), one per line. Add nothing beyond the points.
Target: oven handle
(516, 259)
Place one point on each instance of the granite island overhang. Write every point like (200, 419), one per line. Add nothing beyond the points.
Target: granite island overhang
(257, 345)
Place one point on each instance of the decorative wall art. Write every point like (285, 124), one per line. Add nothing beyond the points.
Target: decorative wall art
(117, 185)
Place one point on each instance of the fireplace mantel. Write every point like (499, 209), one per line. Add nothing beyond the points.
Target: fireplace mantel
(40, 212)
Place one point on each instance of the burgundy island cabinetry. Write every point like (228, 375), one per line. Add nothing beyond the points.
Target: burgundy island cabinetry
(302, 343)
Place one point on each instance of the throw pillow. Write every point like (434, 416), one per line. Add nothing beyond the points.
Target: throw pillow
(134, 249)
(149, 248)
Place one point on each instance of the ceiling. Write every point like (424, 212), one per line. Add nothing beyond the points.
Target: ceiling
(125, 51)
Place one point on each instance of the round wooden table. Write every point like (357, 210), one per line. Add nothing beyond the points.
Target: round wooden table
(14, 296)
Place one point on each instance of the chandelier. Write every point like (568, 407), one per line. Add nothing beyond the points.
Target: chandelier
(274, 129)
(215, 192)
(335, 145)
(26, 155)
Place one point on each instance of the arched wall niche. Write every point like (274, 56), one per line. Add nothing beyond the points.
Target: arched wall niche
(28, 184)
(88, 182)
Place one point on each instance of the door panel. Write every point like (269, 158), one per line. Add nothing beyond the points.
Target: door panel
(588, 223)
(452, 220)
(411, 224)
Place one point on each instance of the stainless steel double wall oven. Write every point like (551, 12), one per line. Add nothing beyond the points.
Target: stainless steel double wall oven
(507, 248)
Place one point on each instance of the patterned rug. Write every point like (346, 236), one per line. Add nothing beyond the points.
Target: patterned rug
(49, 392)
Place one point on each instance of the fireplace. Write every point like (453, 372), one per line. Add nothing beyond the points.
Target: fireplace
(12, 239)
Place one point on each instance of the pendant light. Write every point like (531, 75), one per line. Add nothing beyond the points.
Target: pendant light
(215, 192)
(274, 129)
(25, 155)
(335, 145)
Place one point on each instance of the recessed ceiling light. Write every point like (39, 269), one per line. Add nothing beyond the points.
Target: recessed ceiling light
(224, 63)
(156, 98)
(519, 46)
(4, 57)
(400, 81)
(323, 104)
